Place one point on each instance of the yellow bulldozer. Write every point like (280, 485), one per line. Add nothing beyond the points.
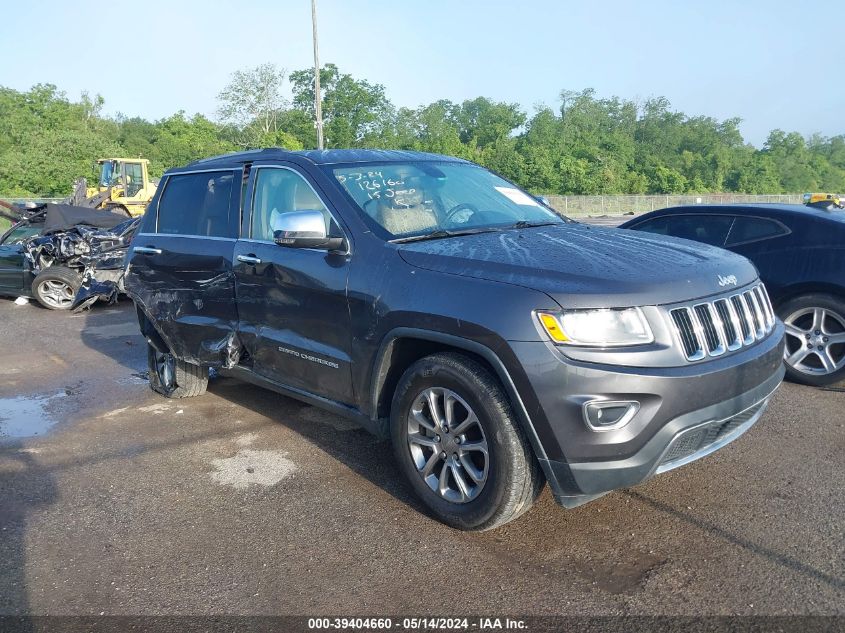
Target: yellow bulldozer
(124, 187)
(827, 201)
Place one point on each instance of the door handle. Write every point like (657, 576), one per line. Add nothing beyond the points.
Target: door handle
(252, 260)
(149, 250)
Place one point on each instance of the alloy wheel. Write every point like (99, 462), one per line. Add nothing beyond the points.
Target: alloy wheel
(448, 445)
(56, 293)
(815, 341)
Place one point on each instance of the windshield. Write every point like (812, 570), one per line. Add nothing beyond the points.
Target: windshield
(417, 199)
(108, 173)
(22, 232)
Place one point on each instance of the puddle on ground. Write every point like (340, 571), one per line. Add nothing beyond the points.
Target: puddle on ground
(27, 416)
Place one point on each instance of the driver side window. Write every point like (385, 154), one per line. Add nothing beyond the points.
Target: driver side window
(280, 191)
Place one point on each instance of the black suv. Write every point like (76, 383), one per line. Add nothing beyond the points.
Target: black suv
(496, 343)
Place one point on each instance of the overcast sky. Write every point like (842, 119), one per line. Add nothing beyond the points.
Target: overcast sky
(775, 64)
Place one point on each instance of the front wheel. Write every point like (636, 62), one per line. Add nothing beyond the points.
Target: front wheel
(55, 287)
(174, 378)
(457, 441)
(815, 339)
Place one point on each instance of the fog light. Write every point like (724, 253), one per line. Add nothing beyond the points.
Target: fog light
(608, 415)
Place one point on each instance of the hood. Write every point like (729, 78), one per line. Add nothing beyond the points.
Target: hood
(583, 266)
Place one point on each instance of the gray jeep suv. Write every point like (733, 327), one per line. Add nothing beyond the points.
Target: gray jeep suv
(496, 343)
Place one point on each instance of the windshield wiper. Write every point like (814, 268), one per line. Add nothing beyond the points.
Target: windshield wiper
(440, 234)
(526, 224)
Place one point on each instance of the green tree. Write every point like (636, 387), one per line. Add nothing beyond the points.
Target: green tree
(483, 122)
(666, 180)
(356, 113)
(587, 145)
(180, 140)
(251, 102)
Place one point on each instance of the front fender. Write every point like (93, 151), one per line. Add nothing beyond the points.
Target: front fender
(383, 359)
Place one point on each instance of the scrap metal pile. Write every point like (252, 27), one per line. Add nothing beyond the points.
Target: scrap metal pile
(91, 242)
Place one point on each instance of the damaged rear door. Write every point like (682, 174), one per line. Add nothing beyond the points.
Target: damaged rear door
(180, 266)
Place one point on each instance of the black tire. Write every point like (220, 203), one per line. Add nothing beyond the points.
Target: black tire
(513, 476)
(55, 287)
(799, 314)
(179, 380)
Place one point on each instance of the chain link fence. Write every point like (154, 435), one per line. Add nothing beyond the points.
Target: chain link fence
(23, 201)
(583, 206)
(576, 206)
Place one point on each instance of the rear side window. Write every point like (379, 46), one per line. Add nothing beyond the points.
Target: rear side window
(197, 204)
(753, 229)
(710, 229)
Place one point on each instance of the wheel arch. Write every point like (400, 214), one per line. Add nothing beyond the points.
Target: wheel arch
(403, 346)
(150, 331)
(796, 290)
(56, 267)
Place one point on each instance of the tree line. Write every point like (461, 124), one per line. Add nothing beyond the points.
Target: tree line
(586, 145)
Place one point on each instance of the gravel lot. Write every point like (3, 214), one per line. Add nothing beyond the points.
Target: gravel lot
(242, 501)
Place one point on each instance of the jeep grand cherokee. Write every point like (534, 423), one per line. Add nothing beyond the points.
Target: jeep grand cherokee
(496, 343)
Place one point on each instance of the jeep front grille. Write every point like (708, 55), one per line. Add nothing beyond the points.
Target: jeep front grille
(714, 327)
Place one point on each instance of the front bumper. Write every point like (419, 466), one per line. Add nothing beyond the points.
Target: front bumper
(682, 440)
(685, 413)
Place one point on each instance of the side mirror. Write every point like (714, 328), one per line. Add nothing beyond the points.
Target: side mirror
(304, 229)
(544, 201)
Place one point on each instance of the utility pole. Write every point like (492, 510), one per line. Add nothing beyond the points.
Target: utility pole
(318, 105)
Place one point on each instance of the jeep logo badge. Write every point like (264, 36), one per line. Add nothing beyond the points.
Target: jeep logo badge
(730, 280)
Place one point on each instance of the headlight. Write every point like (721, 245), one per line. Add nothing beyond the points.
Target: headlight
(602, 327)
